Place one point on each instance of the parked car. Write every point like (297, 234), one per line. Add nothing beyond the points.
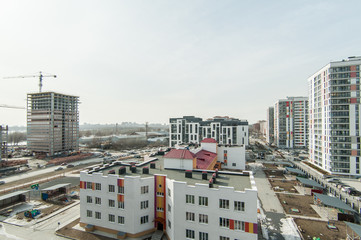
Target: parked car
(58, 169)
(70, 166)
(2, 182)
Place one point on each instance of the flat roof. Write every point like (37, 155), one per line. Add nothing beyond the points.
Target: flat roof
(56, 187)
(333, 202)
(309, 182)
(355, 227)
(239, 180)
(13, 194)
(294, 170)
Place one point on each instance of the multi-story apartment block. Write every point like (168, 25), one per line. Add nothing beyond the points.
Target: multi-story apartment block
(270, 125)
(224, 130)
(52, 123)
(334, 100)
(291, 122)
(198, 204)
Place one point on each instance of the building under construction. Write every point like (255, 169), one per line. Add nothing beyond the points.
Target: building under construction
(52, 123)
(3, 141)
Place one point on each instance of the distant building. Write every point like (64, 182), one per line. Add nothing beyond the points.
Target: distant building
(52, 123)
(196, 204)
(263, 127)
(291, 122)
(335, 119)
(270, 125)
(3, 141)
(224, 130)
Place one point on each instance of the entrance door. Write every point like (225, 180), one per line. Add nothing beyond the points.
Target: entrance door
(160, 226)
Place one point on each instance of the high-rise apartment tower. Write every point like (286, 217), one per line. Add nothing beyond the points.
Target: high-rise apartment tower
(334, 101)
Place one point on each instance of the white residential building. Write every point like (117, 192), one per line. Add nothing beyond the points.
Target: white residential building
(291, 122)
(224, 130)
(270, 125)
(334, 100)
(135, 204)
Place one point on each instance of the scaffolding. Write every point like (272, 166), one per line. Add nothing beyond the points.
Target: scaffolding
(4, 142)
(52, 123)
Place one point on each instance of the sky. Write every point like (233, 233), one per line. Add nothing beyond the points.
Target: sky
(147, 61)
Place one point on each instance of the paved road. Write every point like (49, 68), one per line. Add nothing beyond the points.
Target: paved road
(41, 231)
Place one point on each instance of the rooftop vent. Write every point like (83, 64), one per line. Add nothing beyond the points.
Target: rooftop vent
(145, 170)
(211, 183)
(188, 174)
(133, 169)
(122, 170)
(152, 165)
(204, 175)
(111, 172)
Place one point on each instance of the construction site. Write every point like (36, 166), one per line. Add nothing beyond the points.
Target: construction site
(52, 123)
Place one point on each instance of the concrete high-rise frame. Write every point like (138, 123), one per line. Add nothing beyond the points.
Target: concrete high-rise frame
(52, 123)
(3, 141)
(270, 125)
(334, 100)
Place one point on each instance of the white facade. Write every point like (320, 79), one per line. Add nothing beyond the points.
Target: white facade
(237, 209)
(291, 122)
(172, 163)
(334, 99)
(224, 130)
(232, 157)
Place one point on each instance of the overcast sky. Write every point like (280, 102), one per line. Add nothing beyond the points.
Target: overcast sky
(148, 61)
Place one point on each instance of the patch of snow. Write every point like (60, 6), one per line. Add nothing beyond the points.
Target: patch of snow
(288, 229)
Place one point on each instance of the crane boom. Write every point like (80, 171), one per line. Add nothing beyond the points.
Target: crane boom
(7, 106)
(40, 76)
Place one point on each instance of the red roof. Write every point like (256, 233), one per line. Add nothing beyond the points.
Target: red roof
(208, 140)
(180, 154)
(205, 158)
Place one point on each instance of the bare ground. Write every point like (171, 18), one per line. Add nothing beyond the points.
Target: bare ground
(312, 228)
(287, 185)
(302, 203)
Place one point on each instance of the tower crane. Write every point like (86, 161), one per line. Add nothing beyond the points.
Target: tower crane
(7, 106)
(40, 76)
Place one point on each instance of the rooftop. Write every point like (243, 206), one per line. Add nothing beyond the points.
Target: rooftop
(239, 180)
(180, 153)
(208, 140)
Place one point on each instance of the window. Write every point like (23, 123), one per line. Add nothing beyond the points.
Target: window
(190, 216)
(111, 218)
(238, 225)
(120, 219)
(98, 215)
(233, 164)
(89, 199)
(169, 224)
(159, 209)
(120, 189)
(223, 238)
(203, 236)
(144, 219)
(169, 192)
(190, 199)
(224, 203)
(238, 206)
(224, 222)
(89, 213)
(189, 234)
(88, 185)
(203, 218)
(169, 208)
(203, 201)
(111, 203)
(160, 194)
(144, 204)
(98, 186)
(98, 200)
(144, 189)
(111, 188)
(121, 205)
